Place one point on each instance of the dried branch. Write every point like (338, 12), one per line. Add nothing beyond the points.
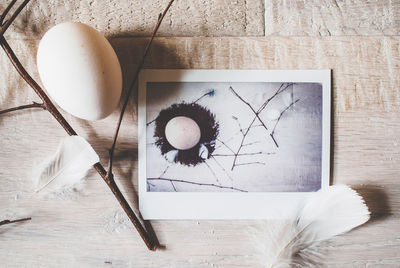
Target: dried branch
(224, 144)
(243, 154)
(4, 26)
(281, 89)
(223, 169)
(13, 221)
(197, 183)
(5, 12)
(49, 106)
(211, 92)
(250, 163)
(212, 172)
(256, 113)
(241, 143)
(280, 116)
(132, 86)
(22, 107)
(173, 186)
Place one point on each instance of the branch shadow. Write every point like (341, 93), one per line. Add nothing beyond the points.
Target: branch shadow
(129, 52)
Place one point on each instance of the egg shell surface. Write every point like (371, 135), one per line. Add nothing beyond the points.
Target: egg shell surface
(80, 70)
(182, 132)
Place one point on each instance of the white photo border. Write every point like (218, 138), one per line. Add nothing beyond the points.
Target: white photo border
(227, 205)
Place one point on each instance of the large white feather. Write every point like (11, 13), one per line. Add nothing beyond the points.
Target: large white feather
(325, 214)
(69, 164)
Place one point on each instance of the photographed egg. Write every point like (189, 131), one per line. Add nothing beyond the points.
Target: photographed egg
(182, 132)
(80, 70)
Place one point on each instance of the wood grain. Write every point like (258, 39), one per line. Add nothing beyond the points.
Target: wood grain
(332, 17)
(127, 18)
(88, 229)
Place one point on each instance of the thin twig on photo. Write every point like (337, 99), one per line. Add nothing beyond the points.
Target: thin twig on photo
(250, 163)
(281, 89)
(244, 154)
(280, 116)
(212, 172)
(197, 183)
(224, 144)
(222, 168)
(210, 93)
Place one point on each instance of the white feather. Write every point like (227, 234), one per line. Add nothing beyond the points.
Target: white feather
(327, 213)
(171, 155)
(70, 163)
(203, 151)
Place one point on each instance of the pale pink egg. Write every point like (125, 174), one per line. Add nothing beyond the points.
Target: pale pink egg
(182, 132)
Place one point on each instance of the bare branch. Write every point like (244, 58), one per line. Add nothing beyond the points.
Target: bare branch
(197, 183)
(223, 143)
(132, 85)
(13, 221)
(243, 154)
(213, 173)
(279, 118)
(22, 107)
(107, 177)
(251, 107)
(250, 163)
(13, 16)
(5, 12)
(173, 186)
(223, 169)
(281, 89)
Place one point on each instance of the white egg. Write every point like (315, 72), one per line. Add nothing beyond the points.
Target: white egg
(182, 132)
(80, 70)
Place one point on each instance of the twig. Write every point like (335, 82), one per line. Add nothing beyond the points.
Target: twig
(67, 127)
(280, 116)
(132, 85)
(13, 221)
(5, 12)
(223, 169)
(209, 93)
(173, 186)
(197, 183)
(256, 113)
(241, 143)
(242, 154)
(251, 163)
(212, 172)
(5, 26)
(224, 144)
(22, 107)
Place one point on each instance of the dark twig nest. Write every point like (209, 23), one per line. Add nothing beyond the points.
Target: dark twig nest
(208, 126)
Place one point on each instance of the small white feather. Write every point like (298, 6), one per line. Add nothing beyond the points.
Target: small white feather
(171, 155)
(327, 213)
(203, 151)
(70, 163)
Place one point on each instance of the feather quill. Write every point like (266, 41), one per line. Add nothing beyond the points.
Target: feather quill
(327, 213)
(70, 163)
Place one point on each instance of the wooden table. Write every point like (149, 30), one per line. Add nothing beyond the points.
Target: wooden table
(87, 228)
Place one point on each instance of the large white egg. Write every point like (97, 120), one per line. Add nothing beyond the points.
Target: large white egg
(182, 132)
(80, 70)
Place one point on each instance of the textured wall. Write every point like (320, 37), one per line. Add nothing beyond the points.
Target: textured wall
(215, 18)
